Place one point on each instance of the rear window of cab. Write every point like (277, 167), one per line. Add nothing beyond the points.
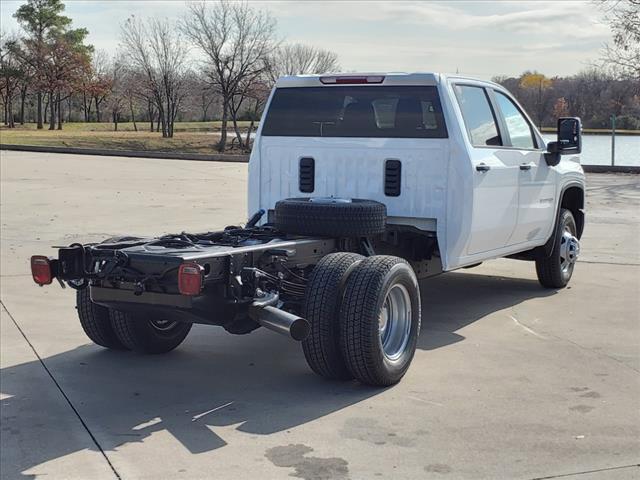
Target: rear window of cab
(356, 111)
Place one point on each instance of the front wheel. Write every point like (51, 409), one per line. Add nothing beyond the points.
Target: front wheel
(555, 270)
(380, 320)
(146, 335)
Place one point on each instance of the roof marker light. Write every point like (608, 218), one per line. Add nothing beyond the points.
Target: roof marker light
(347, 80)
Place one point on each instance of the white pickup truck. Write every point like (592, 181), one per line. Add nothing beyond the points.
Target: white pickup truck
(369, 182)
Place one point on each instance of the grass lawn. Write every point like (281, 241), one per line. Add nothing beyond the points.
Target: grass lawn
(142, 126)
(189, 137)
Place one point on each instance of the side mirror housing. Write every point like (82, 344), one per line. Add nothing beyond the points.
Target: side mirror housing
(569, 140)
(570, 135)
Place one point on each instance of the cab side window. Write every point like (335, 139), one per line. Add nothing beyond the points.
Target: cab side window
(517, 126)
(478, 116)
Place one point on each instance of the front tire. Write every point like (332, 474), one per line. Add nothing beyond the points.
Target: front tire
(145, 335)
(380, 320)
(556, 270)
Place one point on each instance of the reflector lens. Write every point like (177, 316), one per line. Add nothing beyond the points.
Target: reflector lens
(41, 270)
(190, 279)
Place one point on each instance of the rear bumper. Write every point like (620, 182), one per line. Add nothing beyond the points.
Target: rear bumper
(103, 295)
(211, 308)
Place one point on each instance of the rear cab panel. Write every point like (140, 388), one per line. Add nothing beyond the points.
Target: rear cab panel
(354, 166)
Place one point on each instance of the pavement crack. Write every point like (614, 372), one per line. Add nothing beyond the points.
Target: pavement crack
(62, 392)
(635, 465)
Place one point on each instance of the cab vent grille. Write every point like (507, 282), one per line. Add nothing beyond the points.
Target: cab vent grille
(307, 174)
(392, 178)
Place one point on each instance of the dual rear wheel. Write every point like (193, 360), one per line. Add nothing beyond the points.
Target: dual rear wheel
(365, 318)
(122, 331)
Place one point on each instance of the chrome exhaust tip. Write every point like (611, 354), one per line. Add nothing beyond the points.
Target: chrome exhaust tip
(281, 322)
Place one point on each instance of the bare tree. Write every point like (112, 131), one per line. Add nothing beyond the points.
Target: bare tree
(204, 97)
(623, 17)
(95, 84)
(257, 96)
(201, 101)
(67, 59)
(295, 59)
(115, 70)
(236, 41)
(100, 85)
(157, 49)
(11, 73)
(137, 94)
(133, 94)
(237, 101)
(15, 67)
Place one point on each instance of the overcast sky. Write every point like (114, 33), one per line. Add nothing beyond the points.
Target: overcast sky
(476, 38)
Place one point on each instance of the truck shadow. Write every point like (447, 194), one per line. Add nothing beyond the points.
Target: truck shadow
(454, 300)
(209, 389)
(206, 393)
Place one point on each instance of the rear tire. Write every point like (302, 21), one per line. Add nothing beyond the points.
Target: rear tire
(95, 322)
(380, 320)
(144, 335)
(322, 308)
(556, 270)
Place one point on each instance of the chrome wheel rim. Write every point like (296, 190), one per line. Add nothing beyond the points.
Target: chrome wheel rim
(163, 325)
(394, 322)
(569, 250)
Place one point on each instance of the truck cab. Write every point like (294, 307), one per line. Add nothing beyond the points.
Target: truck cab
(448, 155)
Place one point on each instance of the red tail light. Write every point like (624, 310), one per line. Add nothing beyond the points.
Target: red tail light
(41, 270)
(190, 279)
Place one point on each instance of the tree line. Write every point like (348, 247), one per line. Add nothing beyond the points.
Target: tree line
(219, 61)
(594, 95)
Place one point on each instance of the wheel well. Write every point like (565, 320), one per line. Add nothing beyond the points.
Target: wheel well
(573, 200)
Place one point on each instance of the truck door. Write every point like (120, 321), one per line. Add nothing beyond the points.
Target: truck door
(495, 175)
(536, 180)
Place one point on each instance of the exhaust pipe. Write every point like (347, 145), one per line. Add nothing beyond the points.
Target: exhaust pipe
(280, 321)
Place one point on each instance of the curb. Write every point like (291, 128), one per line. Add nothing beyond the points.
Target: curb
(221, 157)
(611, 169)
(126, 153)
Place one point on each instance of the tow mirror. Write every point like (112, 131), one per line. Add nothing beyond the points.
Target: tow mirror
(569, 140)
(570, 134)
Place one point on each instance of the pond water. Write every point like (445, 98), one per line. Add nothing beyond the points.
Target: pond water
(596, 149)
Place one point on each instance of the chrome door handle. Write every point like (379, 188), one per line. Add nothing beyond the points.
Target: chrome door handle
(525, 166)
(483, 167)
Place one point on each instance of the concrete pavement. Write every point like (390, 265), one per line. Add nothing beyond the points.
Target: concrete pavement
(510, 380)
